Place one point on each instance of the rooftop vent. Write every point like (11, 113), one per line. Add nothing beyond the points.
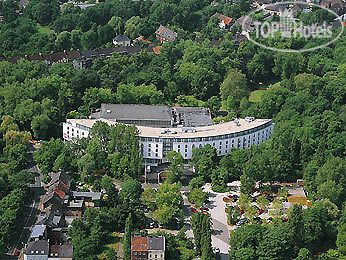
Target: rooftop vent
(249, 119)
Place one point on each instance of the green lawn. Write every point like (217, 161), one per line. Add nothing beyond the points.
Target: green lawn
(255, 96)
(44, 29)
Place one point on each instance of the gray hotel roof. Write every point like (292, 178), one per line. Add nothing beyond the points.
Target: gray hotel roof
(133, 112)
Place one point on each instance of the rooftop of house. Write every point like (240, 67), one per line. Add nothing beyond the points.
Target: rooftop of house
(296, 191)
(39, 247)
(59, 176)
(166, 33)
(56, 197)
(121, 38)
(139, 243)
(156, 243)
(61, 251)
(38, 231)
(226, 19)
(76, 203)
(82, 194)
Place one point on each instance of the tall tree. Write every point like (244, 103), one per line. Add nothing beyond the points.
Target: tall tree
(127, 238)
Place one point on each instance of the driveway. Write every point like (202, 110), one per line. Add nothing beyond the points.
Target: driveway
(220, 232)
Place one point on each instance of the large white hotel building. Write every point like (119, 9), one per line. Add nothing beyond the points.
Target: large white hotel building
(162, 129)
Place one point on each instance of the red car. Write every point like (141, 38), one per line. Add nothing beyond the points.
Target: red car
(204, 209)
(193, 210)
(260, 211)
(16, 252)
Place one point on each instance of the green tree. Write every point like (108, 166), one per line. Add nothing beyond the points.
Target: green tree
(127, 238)
(204, 160)
(247, 183)
(276, 243)
(176, 167)
(197, 196)
(234, 86)
(168, 203)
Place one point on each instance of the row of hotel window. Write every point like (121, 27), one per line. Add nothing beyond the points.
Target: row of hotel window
(76, 133)
(238, 144)
(207, 139)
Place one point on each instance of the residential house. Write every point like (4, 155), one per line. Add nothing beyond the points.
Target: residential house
(148, 248)
(224, 21)
(37, 250)
(54, 198)
(61, 252)
(91, 199)
(156, 248)
(23, 3)
(121, 40)
(139, 248)
(39, 232)
(246, 23)
(338, 6)
(163, 34)
(275, 9)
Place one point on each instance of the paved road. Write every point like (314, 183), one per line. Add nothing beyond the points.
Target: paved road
(220, 232)
(29, 220)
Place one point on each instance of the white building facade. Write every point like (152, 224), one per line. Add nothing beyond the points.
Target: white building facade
(155, 143)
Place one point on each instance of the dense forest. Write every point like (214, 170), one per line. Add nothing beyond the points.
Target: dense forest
(305, 95)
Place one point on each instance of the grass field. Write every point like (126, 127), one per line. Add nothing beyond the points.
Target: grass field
(255, 96)
(44, 29)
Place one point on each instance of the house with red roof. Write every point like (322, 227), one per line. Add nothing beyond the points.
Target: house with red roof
(224, 21)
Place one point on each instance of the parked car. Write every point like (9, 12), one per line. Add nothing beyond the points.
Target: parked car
(260, 211)
(226, 199)
(205, 213)
(241, 222)
(16, 252)
(193, 210)
(204, 209)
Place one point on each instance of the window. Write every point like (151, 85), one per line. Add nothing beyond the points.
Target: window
(157, 155)
(149, 145)
(178, 145)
